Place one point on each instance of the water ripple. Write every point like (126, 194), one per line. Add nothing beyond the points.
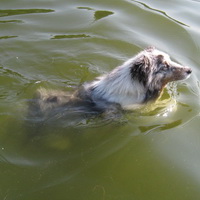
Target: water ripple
(161, 12)
(8, 37)
(73, 36)
(11, 21)
(4, 13)
(98, 14)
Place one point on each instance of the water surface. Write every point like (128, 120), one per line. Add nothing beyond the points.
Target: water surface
(152, 153)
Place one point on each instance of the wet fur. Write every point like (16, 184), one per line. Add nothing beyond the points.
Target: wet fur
(139, 80)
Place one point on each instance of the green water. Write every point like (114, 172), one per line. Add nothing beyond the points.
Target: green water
(149, 154)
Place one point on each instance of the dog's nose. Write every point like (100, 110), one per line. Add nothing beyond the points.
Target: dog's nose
(189, 70)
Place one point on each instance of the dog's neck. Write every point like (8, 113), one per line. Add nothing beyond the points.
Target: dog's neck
(117, 87)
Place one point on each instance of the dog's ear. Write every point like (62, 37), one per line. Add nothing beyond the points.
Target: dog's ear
(150, 48)
(140, 69)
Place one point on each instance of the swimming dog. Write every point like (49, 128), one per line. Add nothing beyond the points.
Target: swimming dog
(139, 80)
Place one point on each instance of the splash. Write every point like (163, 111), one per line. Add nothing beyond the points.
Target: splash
(165, 105)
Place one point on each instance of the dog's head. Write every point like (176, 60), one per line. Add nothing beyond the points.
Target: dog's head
(138, 80)
(154, 69)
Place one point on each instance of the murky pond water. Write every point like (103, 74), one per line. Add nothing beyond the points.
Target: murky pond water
(152, 153)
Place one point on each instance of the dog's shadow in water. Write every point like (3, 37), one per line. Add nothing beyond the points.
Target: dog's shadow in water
(70, 118)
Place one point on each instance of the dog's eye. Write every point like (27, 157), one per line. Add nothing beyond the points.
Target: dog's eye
(164, 67)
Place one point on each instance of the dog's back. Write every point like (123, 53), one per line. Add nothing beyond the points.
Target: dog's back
(50, 105)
